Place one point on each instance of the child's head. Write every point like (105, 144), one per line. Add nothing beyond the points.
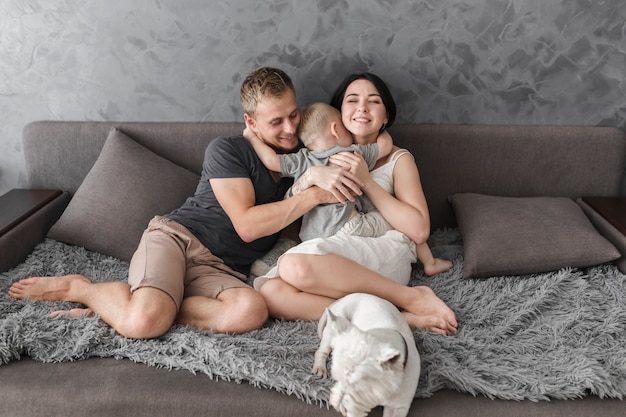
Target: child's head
(321, 127)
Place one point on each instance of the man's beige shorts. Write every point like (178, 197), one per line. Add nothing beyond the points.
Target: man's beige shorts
(170, 258)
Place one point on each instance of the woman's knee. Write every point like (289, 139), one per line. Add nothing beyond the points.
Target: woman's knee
(297, 269)
(276, 293)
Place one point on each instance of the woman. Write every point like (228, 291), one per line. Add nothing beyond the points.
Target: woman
(363, 132)
(327, 269)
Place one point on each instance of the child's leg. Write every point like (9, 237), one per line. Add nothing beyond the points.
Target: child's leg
(432, 265)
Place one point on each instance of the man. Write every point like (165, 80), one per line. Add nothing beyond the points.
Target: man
(191, 264)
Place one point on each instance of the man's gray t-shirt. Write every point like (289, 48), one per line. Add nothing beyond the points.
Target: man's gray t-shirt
(326, 219)
(202, 215)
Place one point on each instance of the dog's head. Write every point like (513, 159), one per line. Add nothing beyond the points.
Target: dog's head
(367, 369)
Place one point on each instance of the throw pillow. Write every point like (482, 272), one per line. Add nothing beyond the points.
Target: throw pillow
(126, 187)
(518, 236)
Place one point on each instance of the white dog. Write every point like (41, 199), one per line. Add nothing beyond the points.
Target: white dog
(375, 360)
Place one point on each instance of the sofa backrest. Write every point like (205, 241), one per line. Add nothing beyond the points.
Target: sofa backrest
(496, 160)
(515, 161)
(59, 154)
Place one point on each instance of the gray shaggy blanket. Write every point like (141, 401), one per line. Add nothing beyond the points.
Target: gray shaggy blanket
(558, 335)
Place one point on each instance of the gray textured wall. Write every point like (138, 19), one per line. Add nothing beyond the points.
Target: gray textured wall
(447, 61)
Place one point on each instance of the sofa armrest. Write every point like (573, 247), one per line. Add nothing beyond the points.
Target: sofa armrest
(19, 241)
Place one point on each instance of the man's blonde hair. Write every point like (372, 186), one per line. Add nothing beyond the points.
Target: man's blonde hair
(262, 82)
(314, 121)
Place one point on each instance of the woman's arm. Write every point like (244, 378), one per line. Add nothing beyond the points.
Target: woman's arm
(340, 182)
(385, 144)
(407, 212)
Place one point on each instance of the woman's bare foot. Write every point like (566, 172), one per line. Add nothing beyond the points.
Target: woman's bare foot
(75, 313)
(438, 266)
(429, 311)
(432, 324)
(46, 288)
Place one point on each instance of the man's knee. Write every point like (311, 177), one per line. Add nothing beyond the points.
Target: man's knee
(150, 314)
(145, 325)
(247, 311)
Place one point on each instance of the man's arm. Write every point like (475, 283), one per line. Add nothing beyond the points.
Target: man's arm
(236, 196)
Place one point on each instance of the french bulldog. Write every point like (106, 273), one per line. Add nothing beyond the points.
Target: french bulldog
(374, 357)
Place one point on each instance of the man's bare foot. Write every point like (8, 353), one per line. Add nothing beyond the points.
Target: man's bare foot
(75, 313)
(431, 310)
(438, 266)
(46, 288)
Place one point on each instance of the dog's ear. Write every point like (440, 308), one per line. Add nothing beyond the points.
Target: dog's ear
(388, 357)
(331, 316)
(339, 324)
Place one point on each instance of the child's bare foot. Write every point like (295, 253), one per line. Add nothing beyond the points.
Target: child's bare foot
(437, 266)
(75, 313)
(46, 288)
(431, 311)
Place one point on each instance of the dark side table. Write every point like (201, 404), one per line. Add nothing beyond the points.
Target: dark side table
(613, 209)
(608, 214)
(18, 204)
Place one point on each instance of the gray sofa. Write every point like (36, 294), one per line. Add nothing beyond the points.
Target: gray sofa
(456, 163)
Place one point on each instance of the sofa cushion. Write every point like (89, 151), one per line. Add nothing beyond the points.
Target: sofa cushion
(125, 188)
(517, 236)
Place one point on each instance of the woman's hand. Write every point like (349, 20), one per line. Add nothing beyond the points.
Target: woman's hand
(339, 182)
(353, 162)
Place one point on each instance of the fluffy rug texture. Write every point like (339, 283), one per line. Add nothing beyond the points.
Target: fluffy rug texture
(557, 335)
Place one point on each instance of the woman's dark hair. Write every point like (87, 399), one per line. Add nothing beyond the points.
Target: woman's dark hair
(380, 85)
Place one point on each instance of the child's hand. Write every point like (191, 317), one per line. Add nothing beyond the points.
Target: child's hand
(249, 134)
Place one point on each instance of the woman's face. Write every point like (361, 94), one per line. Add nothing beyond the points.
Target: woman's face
(363, 112)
